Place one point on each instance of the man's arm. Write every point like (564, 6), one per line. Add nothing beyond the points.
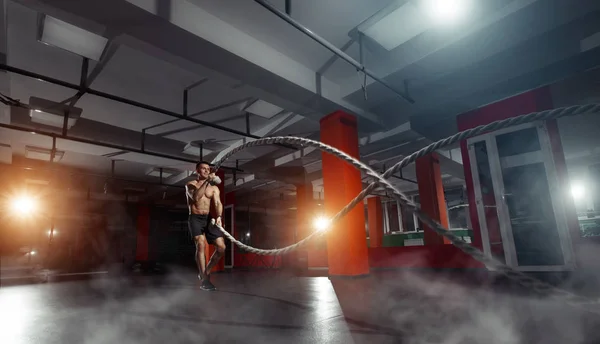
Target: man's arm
(217, 202)
(190, 190)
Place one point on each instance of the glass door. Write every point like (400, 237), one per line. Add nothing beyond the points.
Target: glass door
(518, 200)
(228, 221)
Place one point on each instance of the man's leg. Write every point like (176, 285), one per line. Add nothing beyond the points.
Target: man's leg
(218, 254)
(200, 257)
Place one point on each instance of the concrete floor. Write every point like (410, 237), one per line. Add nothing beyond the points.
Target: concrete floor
(276, 307)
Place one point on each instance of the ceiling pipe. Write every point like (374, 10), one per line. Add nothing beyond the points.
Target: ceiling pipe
(103, 144)
(129, 102)
(332, 48)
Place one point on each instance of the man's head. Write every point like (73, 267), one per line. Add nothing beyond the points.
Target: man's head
(203, 169)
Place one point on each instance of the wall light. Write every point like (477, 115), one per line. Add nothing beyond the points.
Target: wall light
(23, 205)
(578, 191)
(321, 223)
(71, 38)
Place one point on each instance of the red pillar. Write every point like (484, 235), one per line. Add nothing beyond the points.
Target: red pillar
(375, 218)
(346, 241)
(431, 194)
(220, 266)
(143, 232)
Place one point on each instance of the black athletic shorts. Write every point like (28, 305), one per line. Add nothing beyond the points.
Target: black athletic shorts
(200, 225)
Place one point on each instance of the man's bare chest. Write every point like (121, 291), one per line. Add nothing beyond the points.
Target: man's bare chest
(203, 192)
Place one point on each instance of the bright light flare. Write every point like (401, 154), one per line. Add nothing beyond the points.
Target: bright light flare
(23, 205)
(321, 223)
(578, 191)
(447, 11)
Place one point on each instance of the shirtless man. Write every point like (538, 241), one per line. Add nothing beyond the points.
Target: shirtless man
(201, 193)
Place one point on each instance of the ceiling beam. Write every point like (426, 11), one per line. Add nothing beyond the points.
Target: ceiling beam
(200, 41)
(431, 44)
(363, 141)
(123, 100)
(264, 131)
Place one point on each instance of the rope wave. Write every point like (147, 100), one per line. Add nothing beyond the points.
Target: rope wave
(381, 180)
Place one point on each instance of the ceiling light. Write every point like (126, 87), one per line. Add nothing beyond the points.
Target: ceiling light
(395, 25)
(71, 38)
(446, 11)
(43, 154)
(51, 113)
(263, 109)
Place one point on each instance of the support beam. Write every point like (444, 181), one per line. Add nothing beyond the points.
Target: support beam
(264, 71)
(363, 141)
(346, 241)
(433, 45)
(264, 131)
(123, 100)
(100, 144)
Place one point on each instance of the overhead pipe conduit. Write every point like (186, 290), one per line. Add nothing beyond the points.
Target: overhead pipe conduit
(359, 66)
(126, 101)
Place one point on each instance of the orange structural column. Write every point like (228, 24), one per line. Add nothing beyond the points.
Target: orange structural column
(375, 219)
(346, 241)
(431, 195)
(220, 266)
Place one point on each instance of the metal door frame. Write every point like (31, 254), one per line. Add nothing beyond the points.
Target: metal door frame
(501, 206)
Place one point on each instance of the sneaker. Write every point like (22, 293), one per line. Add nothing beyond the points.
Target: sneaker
(207, 285)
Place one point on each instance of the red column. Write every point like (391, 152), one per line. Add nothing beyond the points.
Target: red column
(220, 266)
(346, 241)
(143, 232)
(431, 194)
(375, 218)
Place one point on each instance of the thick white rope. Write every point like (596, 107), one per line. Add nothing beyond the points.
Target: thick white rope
(489, 262)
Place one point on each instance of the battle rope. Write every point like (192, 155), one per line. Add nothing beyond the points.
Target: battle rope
(491, 263)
